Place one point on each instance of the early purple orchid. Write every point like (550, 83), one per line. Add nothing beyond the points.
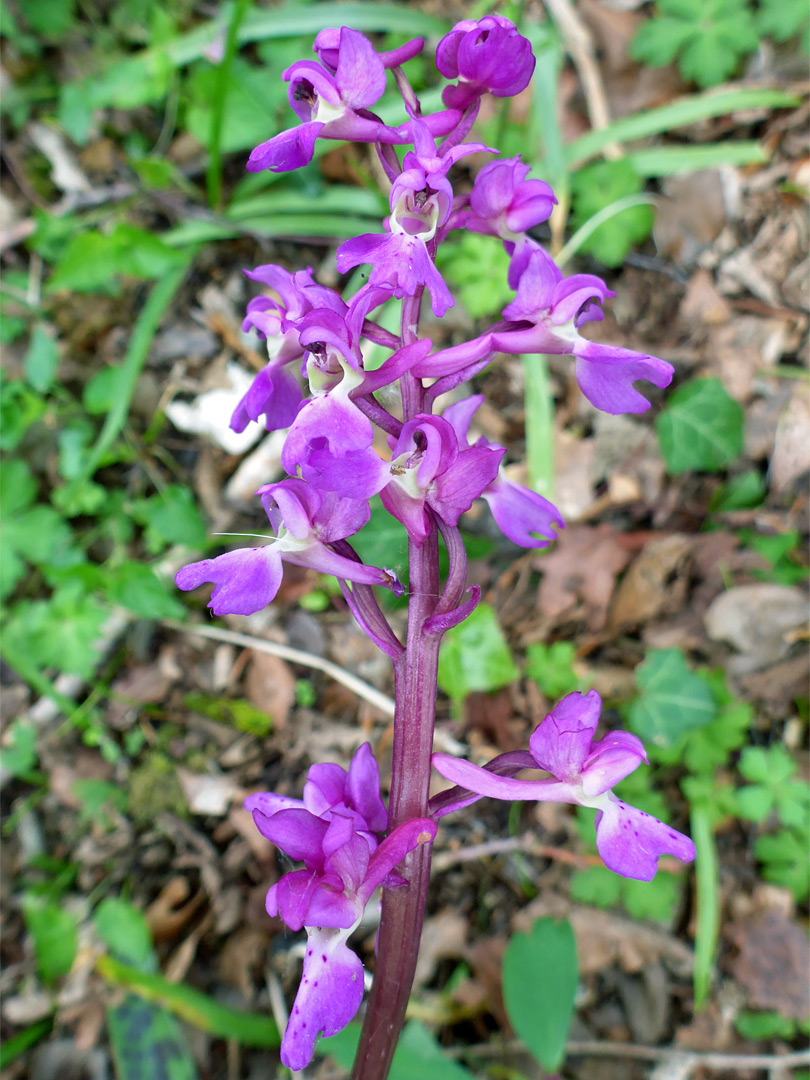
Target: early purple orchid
(334, 831)
(582, 772)
(360, 424)
(305, 521)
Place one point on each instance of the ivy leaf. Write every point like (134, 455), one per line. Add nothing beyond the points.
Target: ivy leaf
(673, 699)
(474, 656)
(551, 667)
(701, 428)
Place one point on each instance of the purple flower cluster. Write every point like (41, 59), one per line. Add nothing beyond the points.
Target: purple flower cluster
(353, 432)
(337, 832)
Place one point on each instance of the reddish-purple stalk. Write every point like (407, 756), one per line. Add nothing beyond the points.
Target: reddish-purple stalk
(415, 675)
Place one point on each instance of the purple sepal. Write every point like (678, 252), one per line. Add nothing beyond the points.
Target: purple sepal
(457, 798)
(328, 998)
(562, 741)
(274, 393)
(504, 203)
(397, 260)
(606, 374)
(466, 480)
(286, 151)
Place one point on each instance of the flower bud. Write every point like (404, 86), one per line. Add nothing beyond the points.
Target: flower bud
(486, 56)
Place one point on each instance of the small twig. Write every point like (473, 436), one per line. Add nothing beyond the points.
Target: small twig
(363, 690)
(580, 46)
(698, 1058)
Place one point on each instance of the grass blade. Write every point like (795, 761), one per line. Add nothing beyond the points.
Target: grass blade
(708, 903)
(669, 160)
(213, 173)
(592, 224)
(687, 110)
(250, 1029)
(539, 422)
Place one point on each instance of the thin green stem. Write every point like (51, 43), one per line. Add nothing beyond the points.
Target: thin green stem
(708, 903)
(539, 425)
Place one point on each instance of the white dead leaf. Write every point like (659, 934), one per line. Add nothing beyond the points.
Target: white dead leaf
(262, 466)
(210, 413)
(65, 171)
(757, 620)
(210, 795)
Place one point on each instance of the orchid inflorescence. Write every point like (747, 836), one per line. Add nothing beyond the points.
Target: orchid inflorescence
(430, 474)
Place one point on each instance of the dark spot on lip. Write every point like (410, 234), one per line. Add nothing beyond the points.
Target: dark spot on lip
(323, 957)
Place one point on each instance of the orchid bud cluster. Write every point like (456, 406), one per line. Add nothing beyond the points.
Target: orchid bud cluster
(412, 447)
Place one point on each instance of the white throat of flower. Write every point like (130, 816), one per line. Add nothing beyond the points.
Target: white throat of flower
(427, 213)
(325, 112)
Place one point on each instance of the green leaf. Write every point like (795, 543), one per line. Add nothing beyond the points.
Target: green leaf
(460, 261)
(19, 755)
(125, 931)
(597, 885)
(42, 358)
(765, 1025)
(147, 1042)
(92, 260)
(383, 541)
(136, 587)
(539, 983)
(701, 428)
(50, 18)
(552, 668)
(37, 534)
(771, 766)
(785, 860)
(172, 517)
(61, 632)
(251, 105)
(17, 1045)
(417, 1054)
(250, 1029)
(743, 492)
(20, 406)
(672, 700)
(18, 487)
(782, 19)
(657, 899)
(474, 656)
(754, 803)
(94, 796)
(55, 936)
(103, 389)
(597, 186)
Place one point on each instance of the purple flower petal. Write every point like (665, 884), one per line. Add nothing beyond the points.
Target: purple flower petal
(275, 393)
(298, 833)
(392, 851)
(360, 74)
(363, 789)
(244, 581)
(456, 489)
(482, 782)
(630, 841)
(290, 897)
(268, 803)
(521, 514)
(562, 741)
(610, 760)
(329, 995)
(606, 374)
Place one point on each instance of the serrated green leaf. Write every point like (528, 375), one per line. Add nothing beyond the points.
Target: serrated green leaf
(61, 632)
(172, 517)
(700, 428)
(540, 975)
(55, 936)
(596, 885)
(37, 534)
(596, 187)
(672, 700)
(771, 766)
(657, 899)
(460, 262)
(18, 487)
(92, 260)
(474, 656)
(754, 802)
(136, 587)
(782, 19)
(785, 860)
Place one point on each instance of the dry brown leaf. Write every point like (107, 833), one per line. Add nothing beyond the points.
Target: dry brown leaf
(791, 452)
(757, 620)
(653, 584)
(443, 936)
(270, 686)
(773, 963)
(582, 566)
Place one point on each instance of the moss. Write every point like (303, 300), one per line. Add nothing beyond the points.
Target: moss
(154, 789)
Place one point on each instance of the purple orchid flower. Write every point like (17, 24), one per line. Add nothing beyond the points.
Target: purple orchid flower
(545, 317)
(334, 831)
(582, 772)
(521, 514)
(504, 203)
(487, 56)
(275, 392)
(305, 521)
(429, 470)
(421, 199)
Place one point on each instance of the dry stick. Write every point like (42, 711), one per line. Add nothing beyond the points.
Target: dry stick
(381, 701)
(529, 845)
(579, 43)
(709, 1059)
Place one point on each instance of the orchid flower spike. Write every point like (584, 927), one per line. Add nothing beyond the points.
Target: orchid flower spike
(582, 772)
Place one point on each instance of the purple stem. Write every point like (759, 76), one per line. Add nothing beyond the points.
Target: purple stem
(415, 674)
